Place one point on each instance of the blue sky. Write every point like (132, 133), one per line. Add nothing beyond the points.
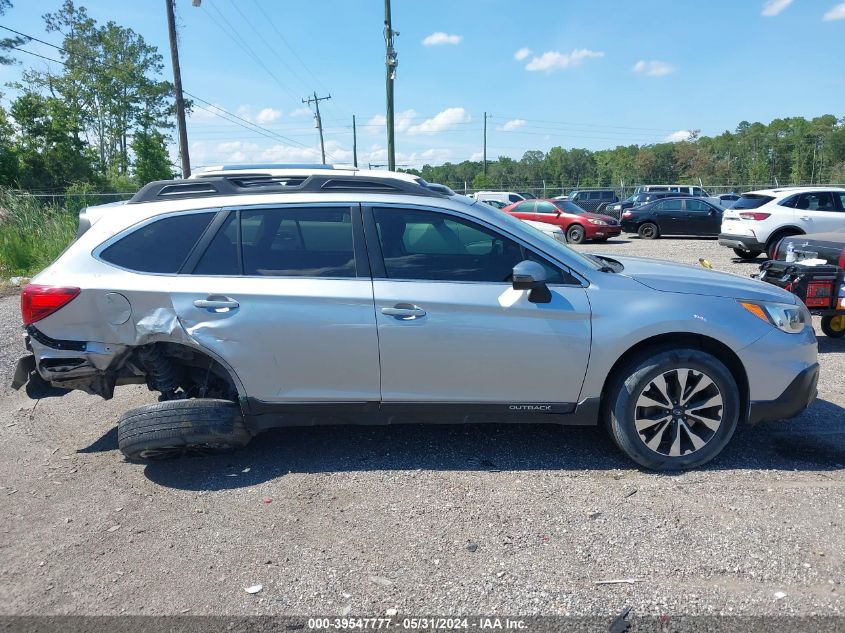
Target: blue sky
(574, 73)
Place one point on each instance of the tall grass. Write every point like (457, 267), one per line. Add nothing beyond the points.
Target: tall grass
(32, 234)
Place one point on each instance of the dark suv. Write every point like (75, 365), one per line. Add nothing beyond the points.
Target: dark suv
(638, 199)
(593, 199)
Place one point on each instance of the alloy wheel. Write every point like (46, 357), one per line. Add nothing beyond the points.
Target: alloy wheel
(678, 412)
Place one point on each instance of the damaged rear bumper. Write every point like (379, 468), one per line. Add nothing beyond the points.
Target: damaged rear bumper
(67, 365)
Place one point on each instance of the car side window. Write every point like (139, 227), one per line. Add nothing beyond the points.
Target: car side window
(525, 207)
(546, 207)
(514, 198)
(816, 201)
(162, 246)
(698, 205)
(595, 195)
(430, 246)
(841, 195)
(659, 206)
(672, 205)
(283, 242)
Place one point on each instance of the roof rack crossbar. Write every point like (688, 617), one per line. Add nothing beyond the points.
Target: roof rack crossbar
(249, 184)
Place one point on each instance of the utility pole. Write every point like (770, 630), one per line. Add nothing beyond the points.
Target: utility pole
(177, 86)
(354, 143)
(316, 101)
(391, 62)
(484, 167)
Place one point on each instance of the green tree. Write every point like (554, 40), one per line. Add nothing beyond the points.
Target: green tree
(7, 43)
(151, 159)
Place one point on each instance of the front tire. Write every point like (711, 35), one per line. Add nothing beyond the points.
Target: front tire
(674, 409)
(834, 326)
(648, 231)
(181, 427)
(575, 234)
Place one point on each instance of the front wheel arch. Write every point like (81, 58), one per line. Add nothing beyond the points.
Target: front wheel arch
(777, 236)
(675, 340)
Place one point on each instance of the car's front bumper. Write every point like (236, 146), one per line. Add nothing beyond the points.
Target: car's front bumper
(795, 398)
(602, 232)
(742, 242)
(782, 371)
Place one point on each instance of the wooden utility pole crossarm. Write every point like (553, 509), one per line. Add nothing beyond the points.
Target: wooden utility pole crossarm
(316, 101)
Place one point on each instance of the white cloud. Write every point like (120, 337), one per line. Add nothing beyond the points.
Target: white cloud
(202, 114)
(268, 115)
(441, 122)
(513, 124)
(654, 68)
(300, 112)
(439, 38)
(772, 8)
(554, 60)
(477, 156)
(401, 122)
(521, 54)
(835, 13)
(677, 137)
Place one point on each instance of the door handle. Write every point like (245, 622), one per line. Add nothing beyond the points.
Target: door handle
(806, 218)
(404, 311)
(223, 304)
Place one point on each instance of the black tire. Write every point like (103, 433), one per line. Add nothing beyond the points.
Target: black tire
(575, 234)
(635, 379)
(746, 254)
(648, 231)
(181, 427)
(774, 239)
(833, 326)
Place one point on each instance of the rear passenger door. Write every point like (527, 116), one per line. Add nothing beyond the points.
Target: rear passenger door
(283, 294)
(452, 330)
(670, 216)
(819, 211)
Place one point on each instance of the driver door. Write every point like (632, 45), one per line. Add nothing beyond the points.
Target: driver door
(452, 329)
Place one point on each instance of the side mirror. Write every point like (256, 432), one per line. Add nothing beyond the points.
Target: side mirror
(528, 275)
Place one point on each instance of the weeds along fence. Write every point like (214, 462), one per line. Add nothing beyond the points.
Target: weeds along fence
(36, 227)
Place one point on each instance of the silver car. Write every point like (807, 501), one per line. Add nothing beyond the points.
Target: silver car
(256, 300)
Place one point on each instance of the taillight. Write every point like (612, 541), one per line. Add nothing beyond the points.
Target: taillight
(753, 215)
(39, 301)
(627, 214)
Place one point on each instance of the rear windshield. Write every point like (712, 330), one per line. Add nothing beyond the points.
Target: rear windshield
(751, 201)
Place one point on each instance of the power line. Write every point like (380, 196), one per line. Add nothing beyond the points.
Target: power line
(242, 44)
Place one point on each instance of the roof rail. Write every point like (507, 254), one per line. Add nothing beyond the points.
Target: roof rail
(247, 184)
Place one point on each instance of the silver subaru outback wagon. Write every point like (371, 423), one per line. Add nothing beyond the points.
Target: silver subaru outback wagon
(258, 299)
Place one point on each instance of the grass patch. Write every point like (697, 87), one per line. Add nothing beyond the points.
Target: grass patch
(32, 234)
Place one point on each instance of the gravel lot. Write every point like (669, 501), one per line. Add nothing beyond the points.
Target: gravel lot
(446, 520)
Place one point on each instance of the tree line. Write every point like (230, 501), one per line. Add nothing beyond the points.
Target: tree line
(101, 121)
(786, 151)
(103, 118)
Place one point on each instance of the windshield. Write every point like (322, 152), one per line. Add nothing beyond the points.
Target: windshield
(569, 207)
(549, 243)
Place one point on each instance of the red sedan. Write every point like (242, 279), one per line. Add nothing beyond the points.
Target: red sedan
(579, 225)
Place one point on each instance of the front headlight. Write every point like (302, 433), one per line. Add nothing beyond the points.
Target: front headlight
(599, 222)
(791, 319)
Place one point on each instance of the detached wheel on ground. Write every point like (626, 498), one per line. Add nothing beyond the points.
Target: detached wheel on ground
(575, 234)
(834, 326)
(181, 427)
(673, 409)
(746, 254)
(648, 231)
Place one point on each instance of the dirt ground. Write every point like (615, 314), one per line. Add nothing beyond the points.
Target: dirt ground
(422, 519)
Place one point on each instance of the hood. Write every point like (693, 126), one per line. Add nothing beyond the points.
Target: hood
(694, 280)
(598, 216)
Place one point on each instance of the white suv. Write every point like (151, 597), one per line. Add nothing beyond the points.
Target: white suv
(760, 219)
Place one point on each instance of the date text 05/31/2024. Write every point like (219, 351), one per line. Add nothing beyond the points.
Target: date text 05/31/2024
(424, 623)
